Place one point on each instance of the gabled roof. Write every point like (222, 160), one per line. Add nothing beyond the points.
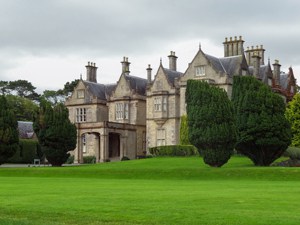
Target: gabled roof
(284, 80)
(136, 83)
(264, 70)
(226, 65)
(172, 75)
(25, 129)
(101, 91)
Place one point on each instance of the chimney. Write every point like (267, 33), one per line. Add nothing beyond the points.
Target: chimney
(125, 65)
(256, 65)
(276, 73)
(91, 72)
(260, 51)
(149, 74)
(172, 61)
(233, 47)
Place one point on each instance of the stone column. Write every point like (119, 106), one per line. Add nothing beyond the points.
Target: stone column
(103, 147)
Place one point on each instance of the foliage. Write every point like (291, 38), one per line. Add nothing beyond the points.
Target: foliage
(125, 158)
(69, 87)
(263, 132)
(293, 116)
(3, 87)
(55, 132)
(89, 159)
(9, 137)
(54, 97)
(23, 108)
(184, 133)
(70, 160)
(27, 152)
(293, 153)
(23, 88)
(174, 150)
(210, 122)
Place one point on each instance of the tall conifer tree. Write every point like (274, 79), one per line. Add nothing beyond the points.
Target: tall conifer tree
(263, 131)
(210, 122)
(9, 136)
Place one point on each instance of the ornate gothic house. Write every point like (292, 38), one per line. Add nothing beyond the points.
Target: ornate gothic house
(126, 118)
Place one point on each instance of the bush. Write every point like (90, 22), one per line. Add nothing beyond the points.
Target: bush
(125, 158)
(70, 160)
(27, 152)
(89, 159)
(293, 153)
(174, 150)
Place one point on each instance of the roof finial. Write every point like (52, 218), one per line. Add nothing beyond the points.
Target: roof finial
(160, 61)
(81, 76)
(199, 45)
(268, 60)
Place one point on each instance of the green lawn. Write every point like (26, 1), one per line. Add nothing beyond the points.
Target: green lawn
(151, 191)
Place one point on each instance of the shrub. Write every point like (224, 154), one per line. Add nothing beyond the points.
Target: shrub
(125, 158)
(174, 150)
(293, 153)
(89, 159)
(70, 160)
(27, 152)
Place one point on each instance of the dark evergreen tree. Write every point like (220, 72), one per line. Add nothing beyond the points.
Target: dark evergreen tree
(9, 136)
(210, 122)
(263, 133)
(56, 134)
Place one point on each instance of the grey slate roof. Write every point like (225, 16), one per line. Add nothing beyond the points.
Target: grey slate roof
(226, 65)
(172, 75)
(137, 83)
(25, 129)
(263, 72)
(101, 91)
(284, 80)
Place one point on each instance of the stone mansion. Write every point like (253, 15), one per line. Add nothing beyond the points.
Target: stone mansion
(128, 117)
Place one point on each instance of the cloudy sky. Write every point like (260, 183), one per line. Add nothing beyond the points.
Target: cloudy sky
(49, 42)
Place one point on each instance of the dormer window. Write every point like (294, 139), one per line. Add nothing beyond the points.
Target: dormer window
(200, 71)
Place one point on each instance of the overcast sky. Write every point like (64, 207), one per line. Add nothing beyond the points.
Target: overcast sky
(49, 42)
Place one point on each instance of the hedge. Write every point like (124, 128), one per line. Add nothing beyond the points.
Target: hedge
(89, 159)
(174, 150)
(27, 152)
(293, 153)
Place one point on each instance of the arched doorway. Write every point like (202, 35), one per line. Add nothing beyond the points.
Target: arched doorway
(114, 145)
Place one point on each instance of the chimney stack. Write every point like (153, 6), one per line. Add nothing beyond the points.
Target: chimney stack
(125, 65)
(172, 61)
(276, 73)
(233, 47)
(91, 72)
(259, 51)
(256, 65)
(149, 74)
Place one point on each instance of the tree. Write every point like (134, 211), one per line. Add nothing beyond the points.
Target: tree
(9, 137)
(184, 133)
(263, 131)
(293, 116)
(54, 97)
(23, 88)
(210, 122)
(69, 87)
(23, 108)
(55, 132)
(3, 87)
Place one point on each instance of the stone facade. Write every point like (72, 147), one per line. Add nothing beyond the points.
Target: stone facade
(128, 117)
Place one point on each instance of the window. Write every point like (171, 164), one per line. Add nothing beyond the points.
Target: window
(200, 71)
(80, 94)
(126, 111)
(119, 111)
(161, 140)
(84, 143)
(80, 115)
(157, 104)
(122, 111)
(164, 104)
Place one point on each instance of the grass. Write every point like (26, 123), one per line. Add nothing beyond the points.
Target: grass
(151, 191)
